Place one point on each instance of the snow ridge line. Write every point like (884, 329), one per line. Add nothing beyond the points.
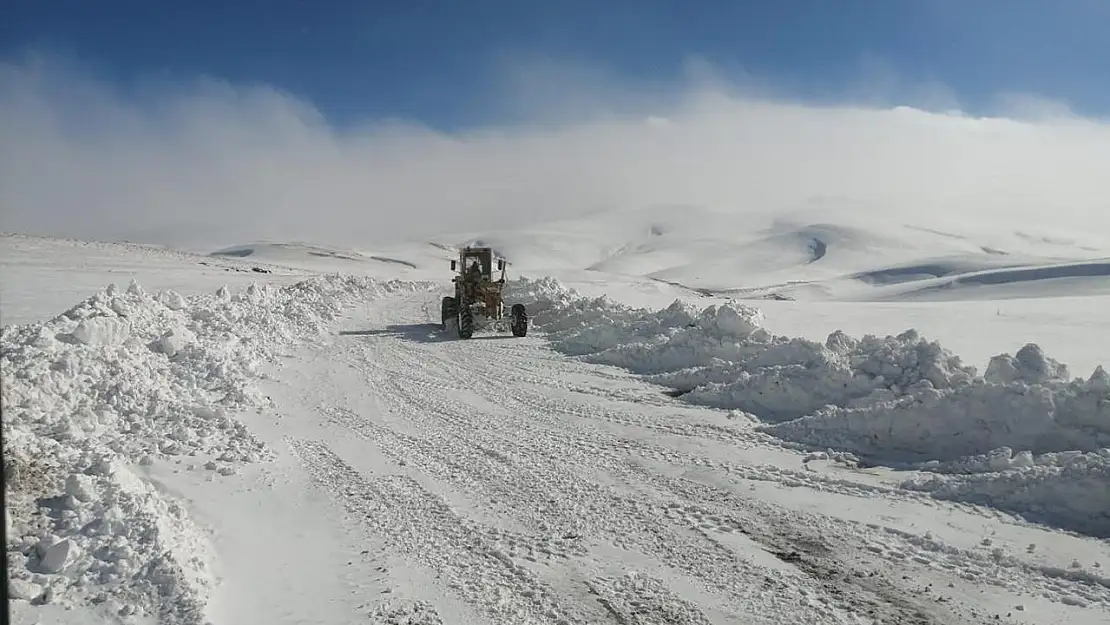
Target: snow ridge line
(897, 400)
(123, 380)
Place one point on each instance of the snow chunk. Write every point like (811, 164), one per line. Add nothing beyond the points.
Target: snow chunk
(172, 300)
(1029, 365)
(731, 320)
(173, 341)
(102, 331)
(135, 289)
(58, 556)
(81, 487)
(23, 589)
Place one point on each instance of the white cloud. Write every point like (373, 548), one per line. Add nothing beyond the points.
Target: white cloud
(216, 163)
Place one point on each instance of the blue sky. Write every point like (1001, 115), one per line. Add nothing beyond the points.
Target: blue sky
(446, 63)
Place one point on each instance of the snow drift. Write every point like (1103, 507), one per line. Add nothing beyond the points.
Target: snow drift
(121, 379)
(895, 399)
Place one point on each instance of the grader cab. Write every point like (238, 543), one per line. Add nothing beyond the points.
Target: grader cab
(478, 294)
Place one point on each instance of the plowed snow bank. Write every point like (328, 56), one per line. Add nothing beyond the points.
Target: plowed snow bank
(117, 381)
(1070, 490)
(895, 399)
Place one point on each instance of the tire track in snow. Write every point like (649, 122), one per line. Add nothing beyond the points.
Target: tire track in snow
(548, 404)
(573, 501)
(569, 505)
(423, 526)
(419, 453)
(695, 525)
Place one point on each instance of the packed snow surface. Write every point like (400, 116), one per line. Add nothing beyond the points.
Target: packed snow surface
(313, 447)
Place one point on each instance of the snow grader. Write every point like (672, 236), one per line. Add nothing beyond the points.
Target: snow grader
(477, 294)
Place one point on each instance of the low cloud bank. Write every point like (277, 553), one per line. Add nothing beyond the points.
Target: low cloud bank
(211, 164)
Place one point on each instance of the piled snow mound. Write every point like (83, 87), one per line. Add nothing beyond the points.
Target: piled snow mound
(897, 398)
(1069, 490)
(581, 325)
(779, 379)
(722, 357)
(116, 382)
(1024, 402)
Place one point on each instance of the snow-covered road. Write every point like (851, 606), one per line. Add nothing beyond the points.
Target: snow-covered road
(496, 481)
(308, 447)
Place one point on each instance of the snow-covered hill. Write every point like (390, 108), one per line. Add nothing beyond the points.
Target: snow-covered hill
(280, 433)
(824, 250)
(318, 258)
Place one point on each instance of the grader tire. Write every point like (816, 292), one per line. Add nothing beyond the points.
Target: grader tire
(466, 322)
(519, 320)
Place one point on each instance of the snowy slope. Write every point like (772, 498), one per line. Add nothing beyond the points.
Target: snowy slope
(168, 434)
(404, 261)
(822, 250)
